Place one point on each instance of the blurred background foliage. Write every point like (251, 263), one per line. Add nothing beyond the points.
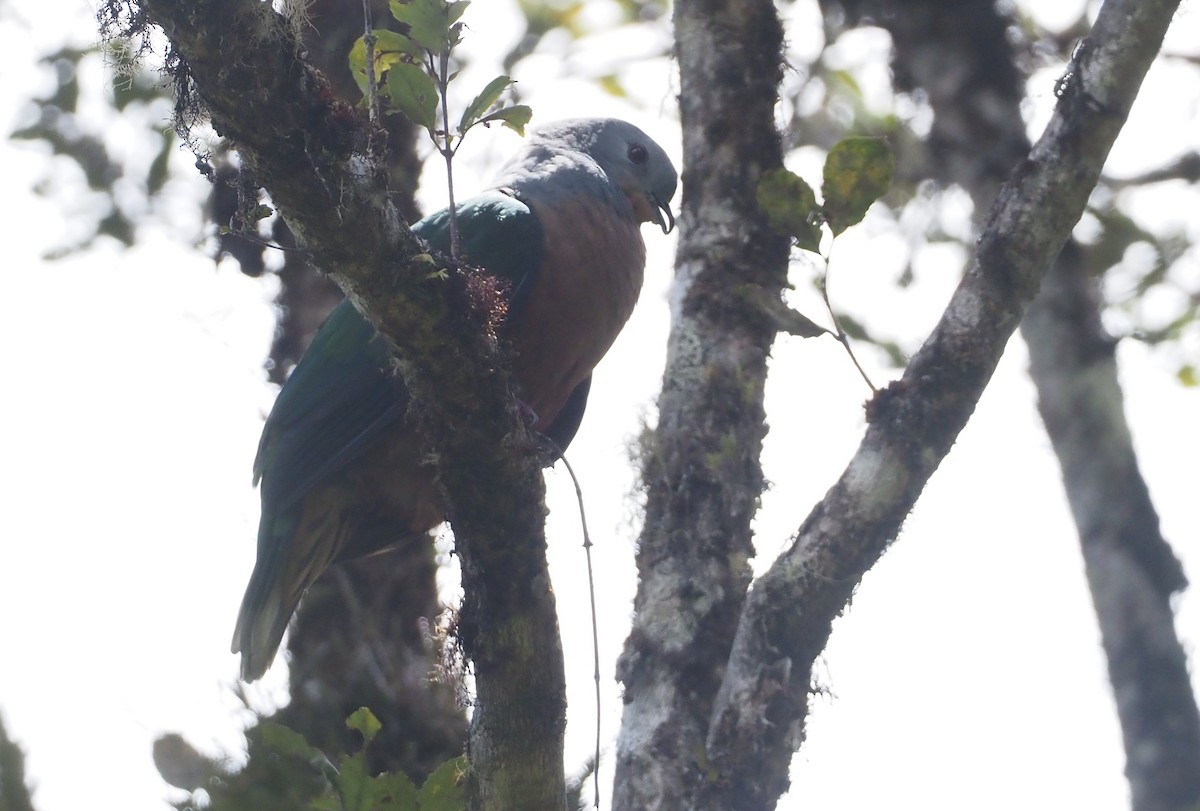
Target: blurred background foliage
(118, 167)
(840, 81)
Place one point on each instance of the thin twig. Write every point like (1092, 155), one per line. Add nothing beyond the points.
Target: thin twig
(372, 84)
(840, 333)
(257, 240)
(447, 149)
(587, 548)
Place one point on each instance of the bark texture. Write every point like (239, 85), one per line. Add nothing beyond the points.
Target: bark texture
(306, 296)
(309, 151)
(701, 470)
(962, 61)
(758, 720)
(1131, 570)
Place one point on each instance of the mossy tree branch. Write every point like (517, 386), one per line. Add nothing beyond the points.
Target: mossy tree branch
(242, 63)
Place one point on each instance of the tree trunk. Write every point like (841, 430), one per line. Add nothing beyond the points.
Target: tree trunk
(1131, 570)
(322, 167)
(701, 470)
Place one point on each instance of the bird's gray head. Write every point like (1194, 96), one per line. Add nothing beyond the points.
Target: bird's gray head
(628, 156)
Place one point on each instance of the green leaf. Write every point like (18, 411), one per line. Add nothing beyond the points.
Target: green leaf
(413, 93)
(365, 722)
(514, 117)
(429, 21)
(782, 317)
(442, 790)
(790, 204)
(157, 175)
(455, 10)
(857, 173)
(288, 741)
(483, 102)
(1187, 376)
(397, 790)
(802, 326)
(356, 788)
(326, 802)
(390, 47)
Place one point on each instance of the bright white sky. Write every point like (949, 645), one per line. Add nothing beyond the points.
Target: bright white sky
(967, 670)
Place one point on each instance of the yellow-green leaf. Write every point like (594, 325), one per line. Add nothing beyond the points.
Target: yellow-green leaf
(442, 790)
(858, 171)
(390, 48)
(790, 205)
(515, 117)
(483, 102)
(612, 85)
(365, 722)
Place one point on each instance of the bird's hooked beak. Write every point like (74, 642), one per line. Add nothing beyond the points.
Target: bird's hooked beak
(663, 208)
(649, 207)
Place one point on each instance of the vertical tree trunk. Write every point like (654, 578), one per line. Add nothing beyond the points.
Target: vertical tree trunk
(1131, 570)
(701, 468)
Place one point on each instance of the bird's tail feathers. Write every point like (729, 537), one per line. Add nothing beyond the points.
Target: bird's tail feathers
(264, 616)
(289, 562)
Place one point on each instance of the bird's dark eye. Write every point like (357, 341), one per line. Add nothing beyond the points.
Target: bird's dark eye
(638, 154)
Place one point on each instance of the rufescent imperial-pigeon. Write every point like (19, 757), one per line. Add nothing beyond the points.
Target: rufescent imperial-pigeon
(339, 467)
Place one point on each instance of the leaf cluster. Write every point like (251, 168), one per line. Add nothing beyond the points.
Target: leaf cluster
(858, 171)
(349, 786)
(414, 71)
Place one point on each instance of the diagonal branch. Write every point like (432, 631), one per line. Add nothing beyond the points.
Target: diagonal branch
(1132, 570)
(759, 718)
(242, 62)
